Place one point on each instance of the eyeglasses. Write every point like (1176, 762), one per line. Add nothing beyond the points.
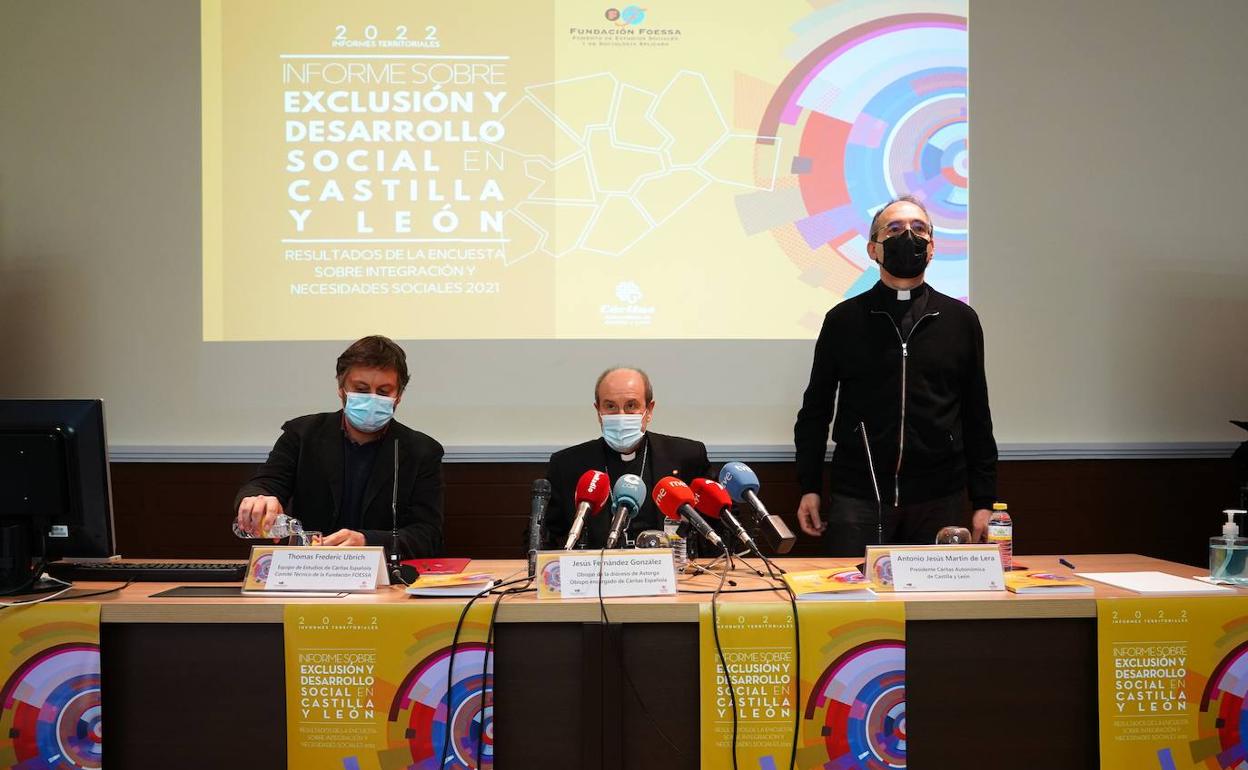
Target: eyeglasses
(629, 408)
(918, 226)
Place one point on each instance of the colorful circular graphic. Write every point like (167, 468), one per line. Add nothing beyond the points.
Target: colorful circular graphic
(884, 570)
(51, 710)
(848, 576)
(550, 575)
(420, 708)
(862, 697)
(875, 111)
(1224, 715)
(260, 571)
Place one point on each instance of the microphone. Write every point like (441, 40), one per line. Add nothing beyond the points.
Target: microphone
(712, 500)
(591, 493)
(537, 518)
(675, 499)
(742, 485)
(628, 492)
(399, 572)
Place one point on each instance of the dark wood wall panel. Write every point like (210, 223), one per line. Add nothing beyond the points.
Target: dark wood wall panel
(1163, 508)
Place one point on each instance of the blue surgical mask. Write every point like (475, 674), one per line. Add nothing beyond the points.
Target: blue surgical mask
(622, 432)
(369, 412)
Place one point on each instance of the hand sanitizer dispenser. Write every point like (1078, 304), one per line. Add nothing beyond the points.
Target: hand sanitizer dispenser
(1228, 553)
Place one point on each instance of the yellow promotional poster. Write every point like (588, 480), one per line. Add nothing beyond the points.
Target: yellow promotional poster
(1173, 679)
(568, 169)
(832, 583)
(1034, 581)
(367, 687)
(50, 713)
(852, 684)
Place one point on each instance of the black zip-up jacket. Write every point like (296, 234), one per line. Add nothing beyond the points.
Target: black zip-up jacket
(306, 472)
(935, 378)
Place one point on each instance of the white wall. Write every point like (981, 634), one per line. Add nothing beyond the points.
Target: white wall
(1109, 251)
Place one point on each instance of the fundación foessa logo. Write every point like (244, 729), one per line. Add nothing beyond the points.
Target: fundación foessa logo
(629, 15)
(628, 27)
(629, 311)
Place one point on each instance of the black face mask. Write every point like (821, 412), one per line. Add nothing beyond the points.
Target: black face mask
(905, 255)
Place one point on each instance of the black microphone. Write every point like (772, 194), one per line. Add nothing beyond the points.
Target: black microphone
(537, 519)
(399, 572)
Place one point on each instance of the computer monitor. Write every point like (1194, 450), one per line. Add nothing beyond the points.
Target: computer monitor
(54, 477)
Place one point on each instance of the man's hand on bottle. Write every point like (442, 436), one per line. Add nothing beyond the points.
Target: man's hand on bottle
(979, 525)
(256, 514)
(348, 537)
(808, 515)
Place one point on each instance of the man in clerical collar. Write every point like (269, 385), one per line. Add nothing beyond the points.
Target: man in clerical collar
(898, 375)
(624, 405)
(335, 471)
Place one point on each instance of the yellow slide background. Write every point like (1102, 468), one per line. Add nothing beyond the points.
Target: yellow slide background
(625, 148)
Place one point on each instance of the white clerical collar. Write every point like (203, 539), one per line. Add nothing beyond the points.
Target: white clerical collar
(628, 458)
(903, 294)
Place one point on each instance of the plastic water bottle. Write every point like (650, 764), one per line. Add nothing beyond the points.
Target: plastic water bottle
(1001, 532)
(680, 546)
(283, 526)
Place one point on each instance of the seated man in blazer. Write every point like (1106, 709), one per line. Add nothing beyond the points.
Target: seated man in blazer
(334, 471)
(624, 403)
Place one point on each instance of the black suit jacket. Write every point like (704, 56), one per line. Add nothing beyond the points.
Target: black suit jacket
(667, 456)
(305, 471)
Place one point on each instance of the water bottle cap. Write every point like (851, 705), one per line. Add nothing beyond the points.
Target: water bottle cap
(1000, 507)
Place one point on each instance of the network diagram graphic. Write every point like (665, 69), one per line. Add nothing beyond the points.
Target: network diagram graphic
(611, 162)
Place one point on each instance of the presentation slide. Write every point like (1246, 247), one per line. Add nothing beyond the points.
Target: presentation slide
(569, 170)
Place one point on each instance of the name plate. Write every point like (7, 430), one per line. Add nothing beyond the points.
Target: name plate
(575, 574)
(935, 567)
(277, 569)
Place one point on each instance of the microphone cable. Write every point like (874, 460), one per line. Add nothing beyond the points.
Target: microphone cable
(619, 651)
(450, 664)
(489, 648)
(797, 652)
(797, 680)
(719, 649)
(797, 663)
(30, 585)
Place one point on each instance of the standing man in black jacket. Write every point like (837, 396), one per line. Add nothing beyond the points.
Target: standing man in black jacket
(335, 471)
(624, 403)
(901, 368)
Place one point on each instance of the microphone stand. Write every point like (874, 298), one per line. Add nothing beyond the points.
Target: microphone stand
(879, 504)
(750, 546)
(771, 568)
(396, 573)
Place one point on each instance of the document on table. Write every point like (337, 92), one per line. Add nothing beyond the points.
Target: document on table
(1154, 583)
